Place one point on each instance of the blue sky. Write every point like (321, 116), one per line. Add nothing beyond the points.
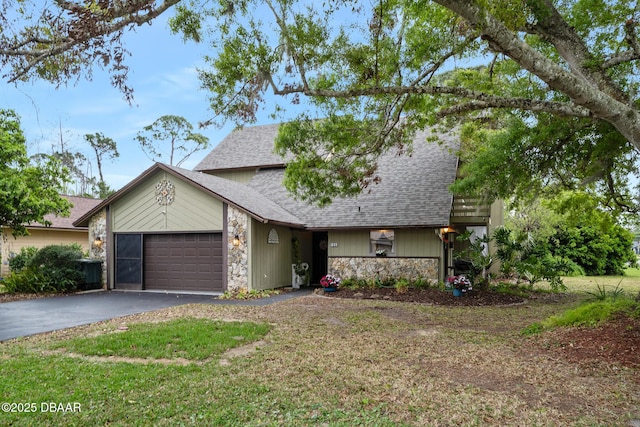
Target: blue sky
(163, 75)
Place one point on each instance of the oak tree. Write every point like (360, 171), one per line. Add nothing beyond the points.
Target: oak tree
(518, 70)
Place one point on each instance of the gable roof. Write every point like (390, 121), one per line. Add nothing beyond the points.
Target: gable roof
(413, 191)
(81, 205)
(249, 147)
(234, 193)
(239, 195)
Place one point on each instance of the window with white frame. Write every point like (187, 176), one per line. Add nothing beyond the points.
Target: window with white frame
(382, 242)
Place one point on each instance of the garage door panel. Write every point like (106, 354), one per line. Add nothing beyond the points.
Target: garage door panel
(183, 262)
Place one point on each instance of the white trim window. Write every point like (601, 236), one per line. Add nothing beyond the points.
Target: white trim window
(382, 242)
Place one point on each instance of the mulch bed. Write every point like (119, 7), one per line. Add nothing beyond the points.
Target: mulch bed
(616, 341)
(428, 296)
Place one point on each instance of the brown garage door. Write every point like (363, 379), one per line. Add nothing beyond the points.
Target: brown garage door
(183, 262)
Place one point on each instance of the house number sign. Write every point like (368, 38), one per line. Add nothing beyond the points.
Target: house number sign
(165, 192)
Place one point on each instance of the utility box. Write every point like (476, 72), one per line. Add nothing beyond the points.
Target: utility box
(91, 270)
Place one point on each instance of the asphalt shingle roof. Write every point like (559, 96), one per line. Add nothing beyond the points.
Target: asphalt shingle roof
(81, 205)
(244, 148)
(243, 196)
(413, 191)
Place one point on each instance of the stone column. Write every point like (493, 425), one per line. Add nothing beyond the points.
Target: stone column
(98, 230)
(238, 251)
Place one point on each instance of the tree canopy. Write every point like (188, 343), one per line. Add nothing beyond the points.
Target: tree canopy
(28, 192)
(169, 137)
(549, 85)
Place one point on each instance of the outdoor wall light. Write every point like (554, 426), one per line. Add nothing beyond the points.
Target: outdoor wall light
(236, 240)
(97, 242)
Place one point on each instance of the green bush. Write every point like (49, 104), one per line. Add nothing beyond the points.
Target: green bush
(529, 259)
(599, 252)
(421, 283)
(399, 283)
(21, 260)
(51, 269)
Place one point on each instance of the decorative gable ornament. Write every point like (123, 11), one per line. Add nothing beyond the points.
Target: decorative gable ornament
(273, 236)
(165, 192)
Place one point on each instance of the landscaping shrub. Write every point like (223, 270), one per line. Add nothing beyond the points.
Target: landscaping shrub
(599, 252)
(51, 269)
(21, 260)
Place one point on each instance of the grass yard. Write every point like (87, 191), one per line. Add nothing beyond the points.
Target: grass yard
(630, 282)
(317, 361)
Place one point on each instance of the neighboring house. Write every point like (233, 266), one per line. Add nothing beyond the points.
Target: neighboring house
(60, 232)
(230, 223)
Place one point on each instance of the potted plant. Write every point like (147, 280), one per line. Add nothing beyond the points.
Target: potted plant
(299, 270)
(301, 274)
(460, 284)
(381, 252)
(330, 283)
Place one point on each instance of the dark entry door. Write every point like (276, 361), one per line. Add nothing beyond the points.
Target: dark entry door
(320, 255)
(128, 261)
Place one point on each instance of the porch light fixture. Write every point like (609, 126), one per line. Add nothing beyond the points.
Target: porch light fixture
(97, 243)
(236, 240)
(447, 230)
(443, 233)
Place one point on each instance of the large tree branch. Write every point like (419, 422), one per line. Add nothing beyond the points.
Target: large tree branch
(551, 26)
(87, 26)
(632, 54)
(479, 100)
(603, 105)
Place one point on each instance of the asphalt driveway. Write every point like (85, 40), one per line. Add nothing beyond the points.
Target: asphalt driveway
(29, 317)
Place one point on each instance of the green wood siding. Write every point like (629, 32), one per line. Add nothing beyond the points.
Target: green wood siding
(270, 263)
(242, 176)
(421, 242)
(192, 210)
(349, 243)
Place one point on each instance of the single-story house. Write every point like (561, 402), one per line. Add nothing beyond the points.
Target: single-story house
(230, 223)
(60, 232)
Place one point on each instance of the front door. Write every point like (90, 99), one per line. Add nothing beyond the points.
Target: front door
(320, 256)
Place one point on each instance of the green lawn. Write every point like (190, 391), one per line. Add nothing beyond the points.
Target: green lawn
(323, 361)
(630, 282)
(187, 338)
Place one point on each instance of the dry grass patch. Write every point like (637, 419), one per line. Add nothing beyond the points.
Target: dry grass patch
(348, 362)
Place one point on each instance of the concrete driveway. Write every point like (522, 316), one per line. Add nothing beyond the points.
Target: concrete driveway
(29, 317)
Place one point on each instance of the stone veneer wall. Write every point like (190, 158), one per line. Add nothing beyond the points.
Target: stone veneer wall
(384, 268)
(98, 228)
(238, 256)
